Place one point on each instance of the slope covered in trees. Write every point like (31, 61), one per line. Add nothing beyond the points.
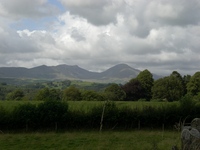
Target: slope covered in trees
(55, 97)
(142, 87)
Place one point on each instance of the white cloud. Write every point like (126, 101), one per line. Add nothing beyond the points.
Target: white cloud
(161, 36)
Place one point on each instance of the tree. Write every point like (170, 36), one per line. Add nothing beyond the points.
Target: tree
(55, 94)
(180, 78)
(47, 94)
(146, 79)
(159, 90)
(174, 88)
(115, 93)
(133, 90)
(43, 94)
(72, 94)
(17, 94)
(25, 115)
(3, 91)
(89, 95)
(193, 86)
(169, 88)
(186, 80)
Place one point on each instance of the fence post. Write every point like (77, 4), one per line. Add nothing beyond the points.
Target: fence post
(139, 125)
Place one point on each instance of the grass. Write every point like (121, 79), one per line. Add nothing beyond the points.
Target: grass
(10, 105)
(87, 105)
(90, 140)
(140, 104)
(108, 140)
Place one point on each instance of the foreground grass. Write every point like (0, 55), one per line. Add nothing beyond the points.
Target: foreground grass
(115, 140)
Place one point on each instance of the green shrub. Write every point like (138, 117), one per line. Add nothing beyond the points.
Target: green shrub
(51, 112)
(3, 118)
(142, 100)
(128, 118)
(55, 114)
(158, 100)
(187, 105)
(24, 116)
(17, 94)
(72, 94)
(89, 95)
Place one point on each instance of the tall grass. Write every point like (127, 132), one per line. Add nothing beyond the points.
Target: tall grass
(87, 115)
(132, 140)
(10, 105)
(88, 105)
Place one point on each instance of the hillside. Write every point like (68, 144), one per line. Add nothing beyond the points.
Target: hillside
(119, 73)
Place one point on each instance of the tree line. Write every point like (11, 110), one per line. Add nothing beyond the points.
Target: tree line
(143, 87)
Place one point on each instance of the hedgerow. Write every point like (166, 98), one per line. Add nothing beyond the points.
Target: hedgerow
(55, 115)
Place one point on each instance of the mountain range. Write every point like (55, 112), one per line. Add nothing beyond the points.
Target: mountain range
(119, 73)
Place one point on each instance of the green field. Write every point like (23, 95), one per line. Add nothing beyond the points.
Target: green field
(90, 140)
(10, 105)
(87, 105)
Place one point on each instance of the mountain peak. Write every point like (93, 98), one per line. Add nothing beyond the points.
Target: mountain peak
(121, 66)
(119, 73)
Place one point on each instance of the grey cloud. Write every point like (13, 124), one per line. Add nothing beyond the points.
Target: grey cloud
(27, 9)
(10, 42)
(189, 15)
(77, 36)
(98, 12)
(154, 14)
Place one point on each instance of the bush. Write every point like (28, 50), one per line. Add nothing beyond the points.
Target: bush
(89, 95)
(187, 105)
(72, 94)
(52, 112)
(110, 115)
(158, 100)
(17, 94)
(24, 116)
(128, 118)
(3, 118)
(142, 100)
(30, 117)
(47, 94)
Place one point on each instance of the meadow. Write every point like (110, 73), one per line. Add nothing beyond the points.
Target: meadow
(88, 105)
(90, 140)
(86, 138)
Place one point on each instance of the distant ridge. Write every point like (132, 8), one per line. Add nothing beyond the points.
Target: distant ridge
(119, 73)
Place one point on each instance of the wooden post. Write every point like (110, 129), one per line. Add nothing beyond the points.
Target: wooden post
(1, 132)
(102, 115)
(26, 126)
(163, 129)
(56, 126)
(139, 125)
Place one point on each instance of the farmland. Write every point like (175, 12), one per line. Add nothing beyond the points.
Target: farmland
(76, 115)
(88, 140)
(88, 105)
(85, 135)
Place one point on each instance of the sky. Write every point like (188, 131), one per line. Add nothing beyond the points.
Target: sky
(159, 35)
